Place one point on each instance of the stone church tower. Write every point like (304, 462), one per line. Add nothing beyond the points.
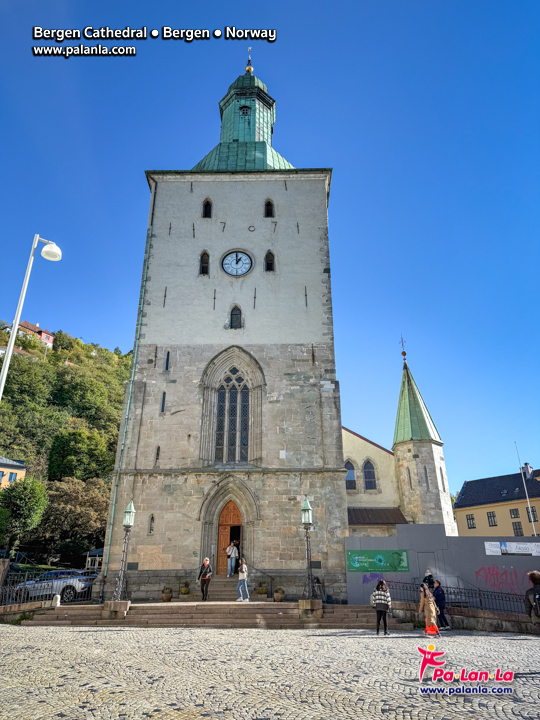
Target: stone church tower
(232, 416)
(419, 460)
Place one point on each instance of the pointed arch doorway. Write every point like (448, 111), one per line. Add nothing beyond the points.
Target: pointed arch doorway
(229, 528)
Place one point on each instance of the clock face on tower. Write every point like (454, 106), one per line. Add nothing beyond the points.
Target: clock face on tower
(237, 263)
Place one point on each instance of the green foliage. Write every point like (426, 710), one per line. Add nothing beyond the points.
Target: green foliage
(75, 519)
(25, 501)
(73, 386)
(21, 617)
(79, 453)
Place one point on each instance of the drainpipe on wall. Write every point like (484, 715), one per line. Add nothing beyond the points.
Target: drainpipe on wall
(131, 380)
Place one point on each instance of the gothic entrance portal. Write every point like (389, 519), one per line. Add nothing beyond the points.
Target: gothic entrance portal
(229, 528)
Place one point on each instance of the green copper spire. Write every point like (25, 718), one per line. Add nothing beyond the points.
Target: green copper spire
(413, 420)
(248, 114)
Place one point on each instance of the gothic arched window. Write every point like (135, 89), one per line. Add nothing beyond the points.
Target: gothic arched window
(207, 209)
(409, 476)
(268, 209)
(269, 262)
(369, 476)
(204, 265)
(350, 478)
(426, 477)
(232, 421)
(236, 318)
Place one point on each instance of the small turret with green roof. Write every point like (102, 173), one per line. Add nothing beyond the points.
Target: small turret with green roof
(248, 114)
(413, 421)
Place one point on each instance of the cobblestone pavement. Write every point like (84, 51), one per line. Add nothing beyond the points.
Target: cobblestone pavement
(117, 673)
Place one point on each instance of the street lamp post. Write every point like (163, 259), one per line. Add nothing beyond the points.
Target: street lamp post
(129, 519)
(307, 522)
(49, 252)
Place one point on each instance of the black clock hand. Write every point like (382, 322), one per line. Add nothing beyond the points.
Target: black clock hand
(237, 258)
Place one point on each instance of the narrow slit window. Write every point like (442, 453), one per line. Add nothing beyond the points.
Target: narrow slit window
(442, 479)
(350, 478)
(207, 209)
(369, 476)
(236, 318)
(269, 262)
(426, 477)
(204, 267)
(157, 454)
(410, 479)
(151, 525)
(163, 398)
(268, 209)
(167, 360)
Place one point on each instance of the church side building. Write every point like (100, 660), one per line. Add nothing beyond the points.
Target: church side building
(232, 417)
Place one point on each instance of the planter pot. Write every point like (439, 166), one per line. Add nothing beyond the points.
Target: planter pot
(278, 597)
(166, 597)
(184, 591)
(262, 591)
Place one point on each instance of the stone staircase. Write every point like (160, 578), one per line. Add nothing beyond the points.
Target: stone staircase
(222, 589)
(215, 614)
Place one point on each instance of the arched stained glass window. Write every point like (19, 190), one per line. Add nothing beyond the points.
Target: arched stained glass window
(236, 318)
(350, 478)
(232, 421)
(204, 266)
(268, 209)
(207, 209)
(369, 476)
(269, 263)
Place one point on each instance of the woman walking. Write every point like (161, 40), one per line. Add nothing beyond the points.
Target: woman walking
(429, 607)
(242, 582)
(205, 574)
(382, 602)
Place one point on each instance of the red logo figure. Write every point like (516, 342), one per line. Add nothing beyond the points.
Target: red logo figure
(429, 659)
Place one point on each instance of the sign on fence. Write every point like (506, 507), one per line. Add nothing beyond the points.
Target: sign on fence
(377, 561)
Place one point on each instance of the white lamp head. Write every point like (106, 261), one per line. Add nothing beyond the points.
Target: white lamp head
(129, 515)
(51, 251)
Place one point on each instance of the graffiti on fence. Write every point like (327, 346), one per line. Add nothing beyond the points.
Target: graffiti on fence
(506, 581)
(370, 577)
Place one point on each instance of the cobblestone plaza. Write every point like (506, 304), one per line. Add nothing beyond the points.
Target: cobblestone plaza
(117, 673)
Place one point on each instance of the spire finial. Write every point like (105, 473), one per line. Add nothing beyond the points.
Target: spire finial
(402, 343)
(249, 67)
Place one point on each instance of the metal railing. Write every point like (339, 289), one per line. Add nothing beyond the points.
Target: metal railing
(33, 586)
(472, 598)
(267, 575)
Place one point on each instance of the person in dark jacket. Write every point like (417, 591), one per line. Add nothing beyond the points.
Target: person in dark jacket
(532, 599)
(440, 601)
(429, 581)
(205, 574)
(382, 603)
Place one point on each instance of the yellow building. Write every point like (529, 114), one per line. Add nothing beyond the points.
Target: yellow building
(497, 506)
(10, 471)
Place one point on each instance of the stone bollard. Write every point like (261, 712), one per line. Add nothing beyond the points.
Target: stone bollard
(55, 602)
(310, 609)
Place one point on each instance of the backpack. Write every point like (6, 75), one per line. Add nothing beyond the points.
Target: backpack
(536, 602)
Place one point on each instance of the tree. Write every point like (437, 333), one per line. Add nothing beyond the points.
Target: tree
(75, 519)
(62, 341)
(80, 453)
(25, 500)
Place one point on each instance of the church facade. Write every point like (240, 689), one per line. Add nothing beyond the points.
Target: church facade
(232, 416)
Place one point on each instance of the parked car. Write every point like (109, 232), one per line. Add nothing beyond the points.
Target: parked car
(69, 584)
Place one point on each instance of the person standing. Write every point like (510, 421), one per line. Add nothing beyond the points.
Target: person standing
(242, 582)
(440, 601)
(205, 575)
(532, 599)
(232, 553)
(430, 609)
(382, 602)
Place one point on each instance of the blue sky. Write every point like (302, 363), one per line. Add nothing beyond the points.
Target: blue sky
(427, 112)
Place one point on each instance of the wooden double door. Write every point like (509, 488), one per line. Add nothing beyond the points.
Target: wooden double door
(229, 529)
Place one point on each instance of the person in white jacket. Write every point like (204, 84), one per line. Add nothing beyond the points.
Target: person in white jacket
(232, 553)
(242, 582)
